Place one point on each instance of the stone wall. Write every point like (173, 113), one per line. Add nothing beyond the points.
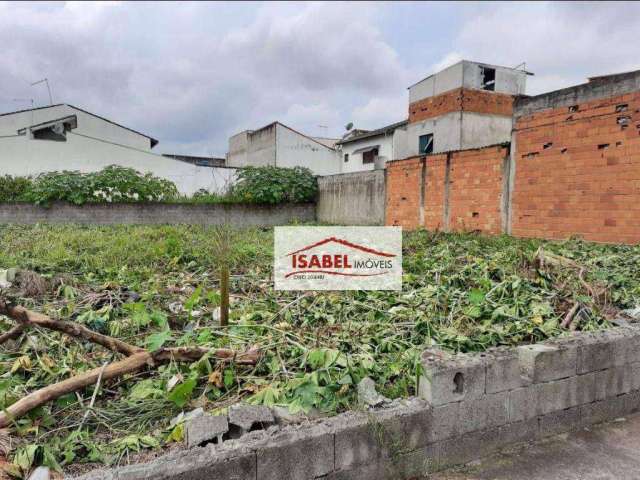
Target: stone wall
(471, 406)
(157, 213)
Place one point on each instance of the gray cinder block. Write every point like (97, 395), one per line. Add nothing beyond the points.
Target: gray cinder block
(445, 422)
(296, 454)
(599, 350)
(561, 421)
(487, 412)
(523, 403)
(613, 381)
(542, 363)
(451, 378)
(206, 427)
(503, 370)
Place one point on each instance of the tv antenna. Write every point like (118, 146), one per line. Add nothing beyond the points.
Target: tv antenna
(45, 80)
(325, 128)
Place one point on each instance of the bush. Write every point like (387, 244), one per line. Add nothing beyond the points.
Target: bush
(14, 189)
(275, 185)
(112, 184)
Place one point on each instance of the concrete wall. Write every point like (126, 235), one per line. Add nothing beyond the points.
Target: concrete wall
(294, 149)
(352, 198)
(508, 80)
(21, 156)
(253, 148)
(468, 75)
(157, 213)
(446, 130)
(87, 125)
(470, 407)
(479, 130)
(440, 82)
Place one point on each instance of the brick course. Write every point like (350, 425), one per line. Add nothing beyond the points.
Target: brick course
(461, 99)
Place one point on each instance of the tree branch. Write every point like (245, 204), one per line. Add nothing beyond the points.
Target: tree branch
(28, 317)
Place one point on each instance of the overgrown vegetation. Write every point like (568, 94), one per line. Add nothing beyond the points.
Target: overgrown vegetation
(275, 185)
(157, 287)
(114, 184)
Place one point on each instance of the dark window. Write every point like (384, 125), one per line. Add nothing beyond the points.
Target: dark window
(425, 144)
(346, 157)
(370, 156)
(488, 78)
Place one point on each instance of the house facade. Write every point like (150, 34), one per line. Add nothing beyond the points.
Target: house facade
(65, 137)
(370, 150)
(279, 145)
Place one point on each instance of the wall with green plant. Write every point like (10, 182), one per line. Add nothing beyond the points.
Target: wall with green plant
(114, 184)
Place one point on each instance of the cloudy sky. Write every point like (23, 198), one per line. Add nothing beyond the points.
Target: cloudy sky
(191, 74)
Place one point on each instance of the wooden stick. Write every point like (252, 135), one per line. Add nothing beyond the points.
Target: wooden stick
(28, 317)
(12, 333)
(570, 315)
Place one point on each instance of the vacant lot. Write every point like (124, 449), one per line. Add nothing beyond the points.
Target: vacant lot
(157, 287)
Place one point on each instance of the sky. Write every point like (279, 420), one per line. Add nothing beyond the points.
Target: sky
(192, 74)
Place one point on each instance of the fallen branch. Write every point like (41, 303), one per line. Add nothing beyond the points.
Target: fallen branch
(543, 257)
(137, 358)
(44, 395)
(12, 333)
(28, 317)
(566, 322)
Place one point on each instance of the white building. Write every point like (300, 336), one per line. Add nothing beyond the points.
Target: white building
(281, 146)
(371, 150)
(466, 105)
(64, 137)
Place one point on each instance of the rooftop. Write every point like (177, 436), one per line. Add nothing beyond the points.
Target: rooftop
(154, 142)
(374, 133)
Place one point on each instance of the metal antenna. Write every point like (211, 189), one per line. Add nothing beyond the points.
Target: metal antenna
(326, 129)
(44, 80)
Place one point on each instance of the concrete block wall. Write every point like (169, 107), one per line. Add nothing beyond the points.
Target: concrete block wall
(471, 405)
(157, 214)
(352, 198)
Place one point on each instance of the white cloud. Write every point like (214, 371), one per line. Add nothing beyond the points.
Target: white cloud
(562, 43)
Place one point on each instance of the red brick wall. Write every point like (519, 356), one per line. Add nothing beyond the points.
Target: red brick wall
(475, 190)
(403, 193)
(434, 192)
(458, 99)
(578, 172)
(473, 195)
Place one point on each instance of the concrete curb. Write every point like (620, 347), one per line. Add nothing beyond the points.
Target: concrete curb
(473, 405)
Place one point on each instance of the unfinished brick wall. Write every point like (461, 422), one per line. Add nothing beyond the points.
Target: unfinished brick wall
(461, 99)
(458, 191)
(577, 171)
(403, 193)
(475, 189)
